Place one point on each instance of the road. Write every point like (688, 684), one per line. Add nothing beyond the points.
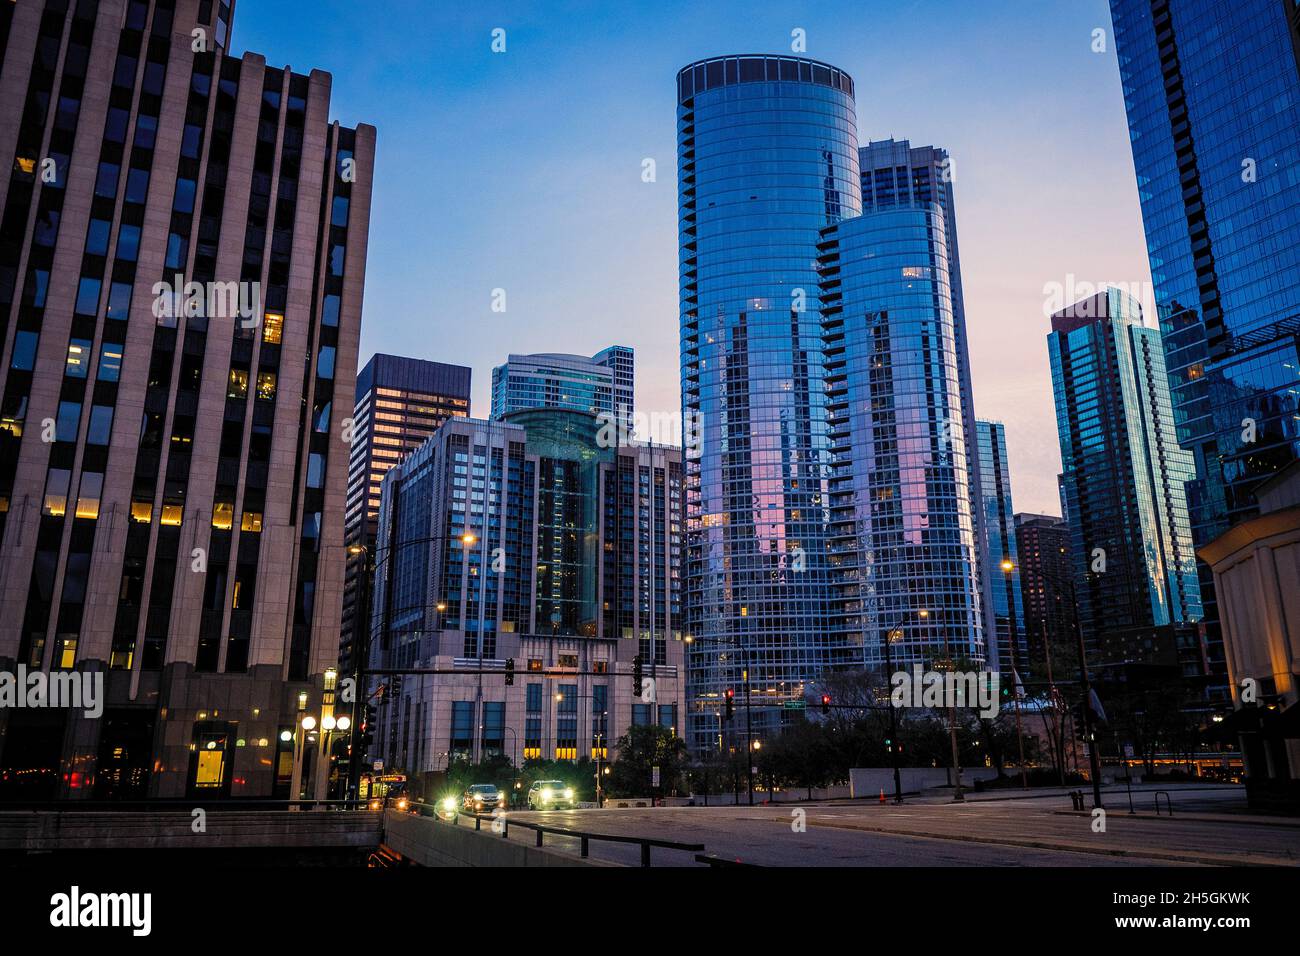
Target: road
(1004, 832)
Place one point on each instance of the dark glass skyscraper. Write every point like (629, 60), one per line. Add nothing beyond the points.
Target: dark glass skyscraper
(1213, 98)
(767, 157)
(1131, 544)
(998, 544)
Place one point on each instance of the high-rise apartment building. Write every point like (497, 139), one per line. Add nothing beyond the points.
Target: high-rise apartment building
(767, 156)
(895, 173)
(1214, 138)
(1046, 587)
(400, 402)
(1125, 478)
(599, 383)
(182, 255)
(904, 556)
(526, 539)
(1000, 548)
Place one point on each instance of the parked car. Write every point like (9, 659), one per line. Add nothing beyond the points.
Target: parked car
(551, 795)
(482, 796)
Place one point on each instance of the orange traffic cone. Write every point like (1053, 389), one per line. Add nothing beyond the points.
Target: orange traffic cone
(882, 794)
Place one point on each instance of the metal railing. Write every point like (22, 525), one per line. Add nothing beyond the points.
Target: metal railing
(584, 837)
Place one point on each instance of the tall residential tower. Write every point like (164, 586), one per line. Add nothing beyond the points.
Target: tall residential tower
(767, 156)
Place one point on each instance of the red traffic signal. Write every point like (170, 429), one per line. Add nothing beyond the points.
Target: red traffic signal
(826, 703)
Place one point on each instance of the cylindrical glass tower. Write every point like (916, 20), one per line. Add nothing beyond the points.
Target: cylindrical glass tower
(767, 157)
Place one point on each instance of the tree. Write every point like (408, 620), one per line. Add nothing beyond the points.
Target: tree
(639, 750)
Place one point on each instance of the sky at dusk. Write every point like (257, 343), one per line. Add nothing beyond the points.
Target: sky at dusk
(522, 170)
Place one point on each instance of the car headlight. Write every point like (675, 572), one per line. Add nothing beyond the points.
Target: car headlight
(374, 804)
(568, 794)
(546, 793)
(449, 803)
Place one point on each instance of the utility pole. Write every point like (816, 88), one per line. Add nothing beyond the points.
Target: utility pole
(1089, 736)
(749, 731)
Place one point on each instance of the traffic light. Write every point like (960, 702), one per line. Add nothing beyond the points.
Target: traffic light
(367, 727)
(730, 704)
(826, 703)
(510, 672)
(637, 676)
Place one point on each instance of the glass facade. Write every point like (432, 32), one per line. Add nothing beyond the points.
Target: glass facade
(526, 540)
(904, 553)
(1124, 476)
(767, 157)
(1001, 553)
(1214, 145)
(601, 383)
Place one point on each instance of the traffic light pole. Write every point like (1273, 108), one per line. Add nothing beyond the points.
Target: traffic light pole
(360, 658)
(893, 726)
(749, 732)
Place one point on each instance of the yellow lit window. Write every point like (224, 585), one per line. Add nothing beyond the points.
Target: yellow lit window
(223, 515)
(171, 515)
(56, 492)
(68, 654)
(120, 660)
(266, 385)
(27, 164)
(142, 511)
(211, 767)
(76, 363)
(252, 521)
(566, 753)
(234, 599)
(532, 753)
(600, 752)
(88, 497)
(238, 386)
(272, 328)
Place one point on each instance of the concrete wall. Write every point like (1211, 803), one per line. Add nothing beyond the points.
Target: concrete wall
(223, 829)
(867, 782)
(430, 842)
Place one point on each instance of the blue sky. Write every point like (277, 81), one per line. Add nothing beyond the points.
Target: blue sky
(522, 170)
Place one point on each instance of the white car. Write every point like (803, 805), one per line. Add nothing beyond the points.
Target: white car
(551, 795)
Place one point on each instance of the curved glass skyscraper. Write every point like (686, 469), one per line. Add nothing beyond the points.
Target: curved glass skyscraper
(904, 553)
(767, 157)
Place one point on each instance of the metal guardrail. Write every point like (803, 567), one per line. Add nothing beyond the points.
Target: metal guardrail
(584, 837)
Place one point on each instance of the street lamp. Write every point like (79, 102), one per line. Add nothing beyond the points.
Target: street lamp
(1008, 566)
(888, 637)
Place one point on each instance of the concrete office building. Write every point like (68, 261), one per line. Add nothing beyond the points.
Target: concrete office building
(182, 257)
(400, 402)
